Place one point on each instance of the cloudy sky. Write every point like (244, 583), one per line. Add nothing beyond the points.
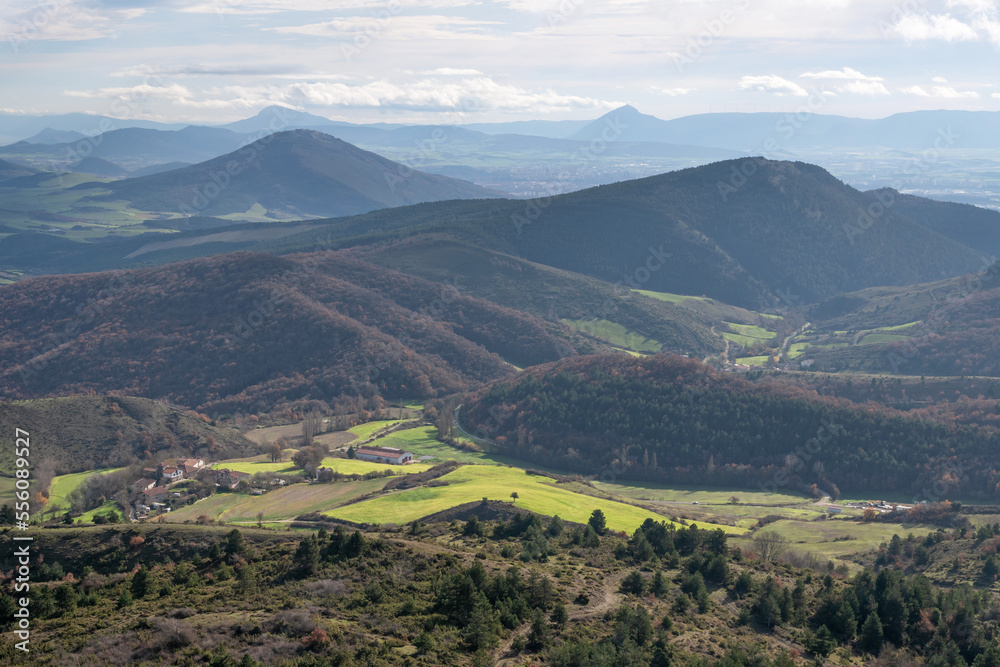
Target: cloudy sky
(485, 60)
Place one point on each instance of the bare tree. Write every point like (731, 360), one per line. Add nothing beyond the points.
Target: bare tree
(769, 545)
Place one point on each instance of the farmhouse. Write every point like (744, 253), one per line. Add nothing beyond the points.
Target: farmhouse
(190, 466)
(229, 478)
(384, 455)
(154, 495)
(172, 474)
(143, 484)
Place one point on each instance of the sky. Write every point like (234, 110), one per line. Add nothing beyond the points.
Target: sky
(215, 61)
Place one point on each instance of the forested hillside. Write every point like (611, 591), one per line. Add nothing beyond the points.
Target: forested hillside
(244, 332)
(671, 419)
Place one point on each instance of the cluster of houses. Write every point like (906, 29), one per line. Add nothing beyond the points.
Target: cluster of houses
(153, 486)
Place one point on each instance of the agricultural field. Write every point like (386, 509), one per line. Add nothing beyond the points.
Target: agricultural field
(359, 467)
(368, 429)
(616, 334)
(108, 506)
(471, 483)
(754, 361)
(63, 485)
(747, 335)
(279, 505)
(836, 538)
(258, 464)
(701, 494)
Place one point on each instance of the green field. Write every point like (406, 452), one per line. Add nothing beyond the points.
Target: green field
(668, 297)
(358, 467)
(702, 494)
(470, 483)
(754, 361)
(747, 335)
(278, 505)
(877, 338)
(88, 517)
(615, 334)
(367, 430)
(821, 537)
(258, 464)
(63, 485)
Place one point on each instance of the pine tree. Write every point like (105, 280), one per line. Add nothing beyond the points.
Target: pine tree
(871, 635)
(140, 583)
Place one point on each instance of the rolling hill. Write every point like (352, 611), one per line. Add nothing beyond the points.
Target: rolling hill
(670, 419)
(788, 227)
(246, 332)
(298, 173)
(80, 433)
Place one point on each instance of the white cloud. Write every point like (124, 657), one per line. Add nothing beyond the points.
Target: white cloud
(857, 83)
(476, 93)
(871, 88)
(847, 74)
(451, 71)
(939, 79)
(944, 92)
(427, 27)
(944, 27)
(251, 7)
(142, 91)
(672, 92)
(769, 83)
(61, 21)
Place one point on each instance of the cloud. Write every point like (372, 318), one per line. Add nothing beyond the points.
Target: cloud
(944, 92)
(847, 74)
(943, 27)
(61, 21)
(174, 91)
(672, 92)
(474, 93)
(770, 83)
(252, 7)
(451, 71)
(870, 88)
(857, 83)
(939, 79)
(427, 27)
(210, 70)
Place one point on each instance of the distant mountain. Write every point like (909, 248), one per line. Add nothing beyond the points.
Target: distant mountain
(299, 173)
(554, 129)
(277, 118)
(245, 332)
(133, 148)
(50, 136)
(775, 132)
(15, 127)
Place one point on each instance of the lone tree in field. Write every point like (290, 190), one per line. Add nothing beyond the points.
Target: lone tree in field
(274, 449)
(351, 453)
(515, 497)
(769, 545)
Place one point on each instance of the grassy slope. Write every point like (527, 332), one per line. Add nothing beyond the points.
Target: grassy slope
(63, 485)
(277, 505)
(470, 483)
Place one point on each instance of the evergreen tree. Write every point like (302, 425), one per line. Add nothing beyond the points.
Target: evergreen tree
(598, 522)
(871, 635)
